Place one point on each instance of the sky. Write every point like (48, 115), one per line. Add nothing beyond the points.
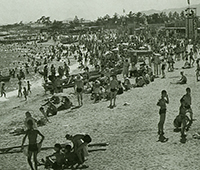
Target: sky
(12, 11)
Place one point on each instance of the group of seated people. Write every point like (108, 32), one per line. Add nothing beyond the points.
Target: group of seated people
(67, 156)
(51, 103)
(100, 88)
(144, 75)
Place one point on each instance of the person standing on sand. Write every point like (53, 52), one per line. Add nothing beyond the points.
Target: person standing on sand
(28, 87)
(33, 149)
(113, 91)
(79, 87)
(20, 89)
(25, 93)
(188, 102)
(162, 112)
(3, 90)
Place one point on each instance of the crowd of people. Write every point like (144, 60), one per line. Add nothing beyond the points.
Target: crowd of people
(110, 53)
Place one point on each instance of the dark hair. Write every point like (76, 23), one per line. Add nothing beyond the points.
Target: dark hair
(87, 139)
(164, 92)
(57, 145)
(67, 136)
(188, 89)
(68, 148)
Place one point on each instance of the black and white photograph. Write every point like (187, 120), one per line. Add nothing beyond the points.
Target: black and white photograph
(99, 84)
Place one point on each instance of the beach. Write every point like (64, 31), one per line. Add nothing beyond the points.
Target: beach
(130, 130)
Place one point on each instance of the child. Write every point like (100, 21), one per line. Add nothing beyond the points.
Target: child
(3, 90)
(28, 87)
(58, 158)
(25, 93)
(162, 103)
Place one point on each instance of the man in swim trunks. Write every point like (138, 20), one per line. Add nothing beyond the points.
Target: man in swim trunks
(32, 135)
(78, 87)
(113, 91)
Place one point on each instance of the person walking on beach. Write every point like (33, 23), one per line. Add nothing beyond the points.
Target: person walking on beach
(19, 89)
(3, 90)
(162, 112)
(25, 93)
(191, 58)
(28, 87)
(33, 148)
(79, 87)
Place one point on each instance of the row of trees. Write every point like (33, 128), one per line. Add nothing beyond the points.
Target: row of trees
(141, 18)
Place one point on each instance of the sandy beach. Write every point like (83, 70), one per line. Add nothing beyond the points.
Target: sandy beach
(130, 130)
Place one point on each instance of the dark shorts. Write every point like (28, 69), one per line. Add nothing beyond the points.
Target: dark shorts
(113, 90)
(33, 147)
(162, 111)
(79, 90)
(187, 107)
(55, 166)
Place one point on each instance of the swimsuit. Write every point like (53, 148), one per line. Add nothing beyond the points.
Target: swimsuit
(32, 147)
(162, 111)
(79, 90)
(113, 90)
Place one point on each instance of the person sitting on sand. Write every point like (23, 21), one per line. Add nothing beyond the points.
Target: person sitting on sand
(120, 88)
(70, 157)
(127, 84)
(51, 109)
(139, 82)
(80, 142)
(33, 149)
(88, 87)
(57, 160)
(79, 87)
(183, 79)
(66, 104)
